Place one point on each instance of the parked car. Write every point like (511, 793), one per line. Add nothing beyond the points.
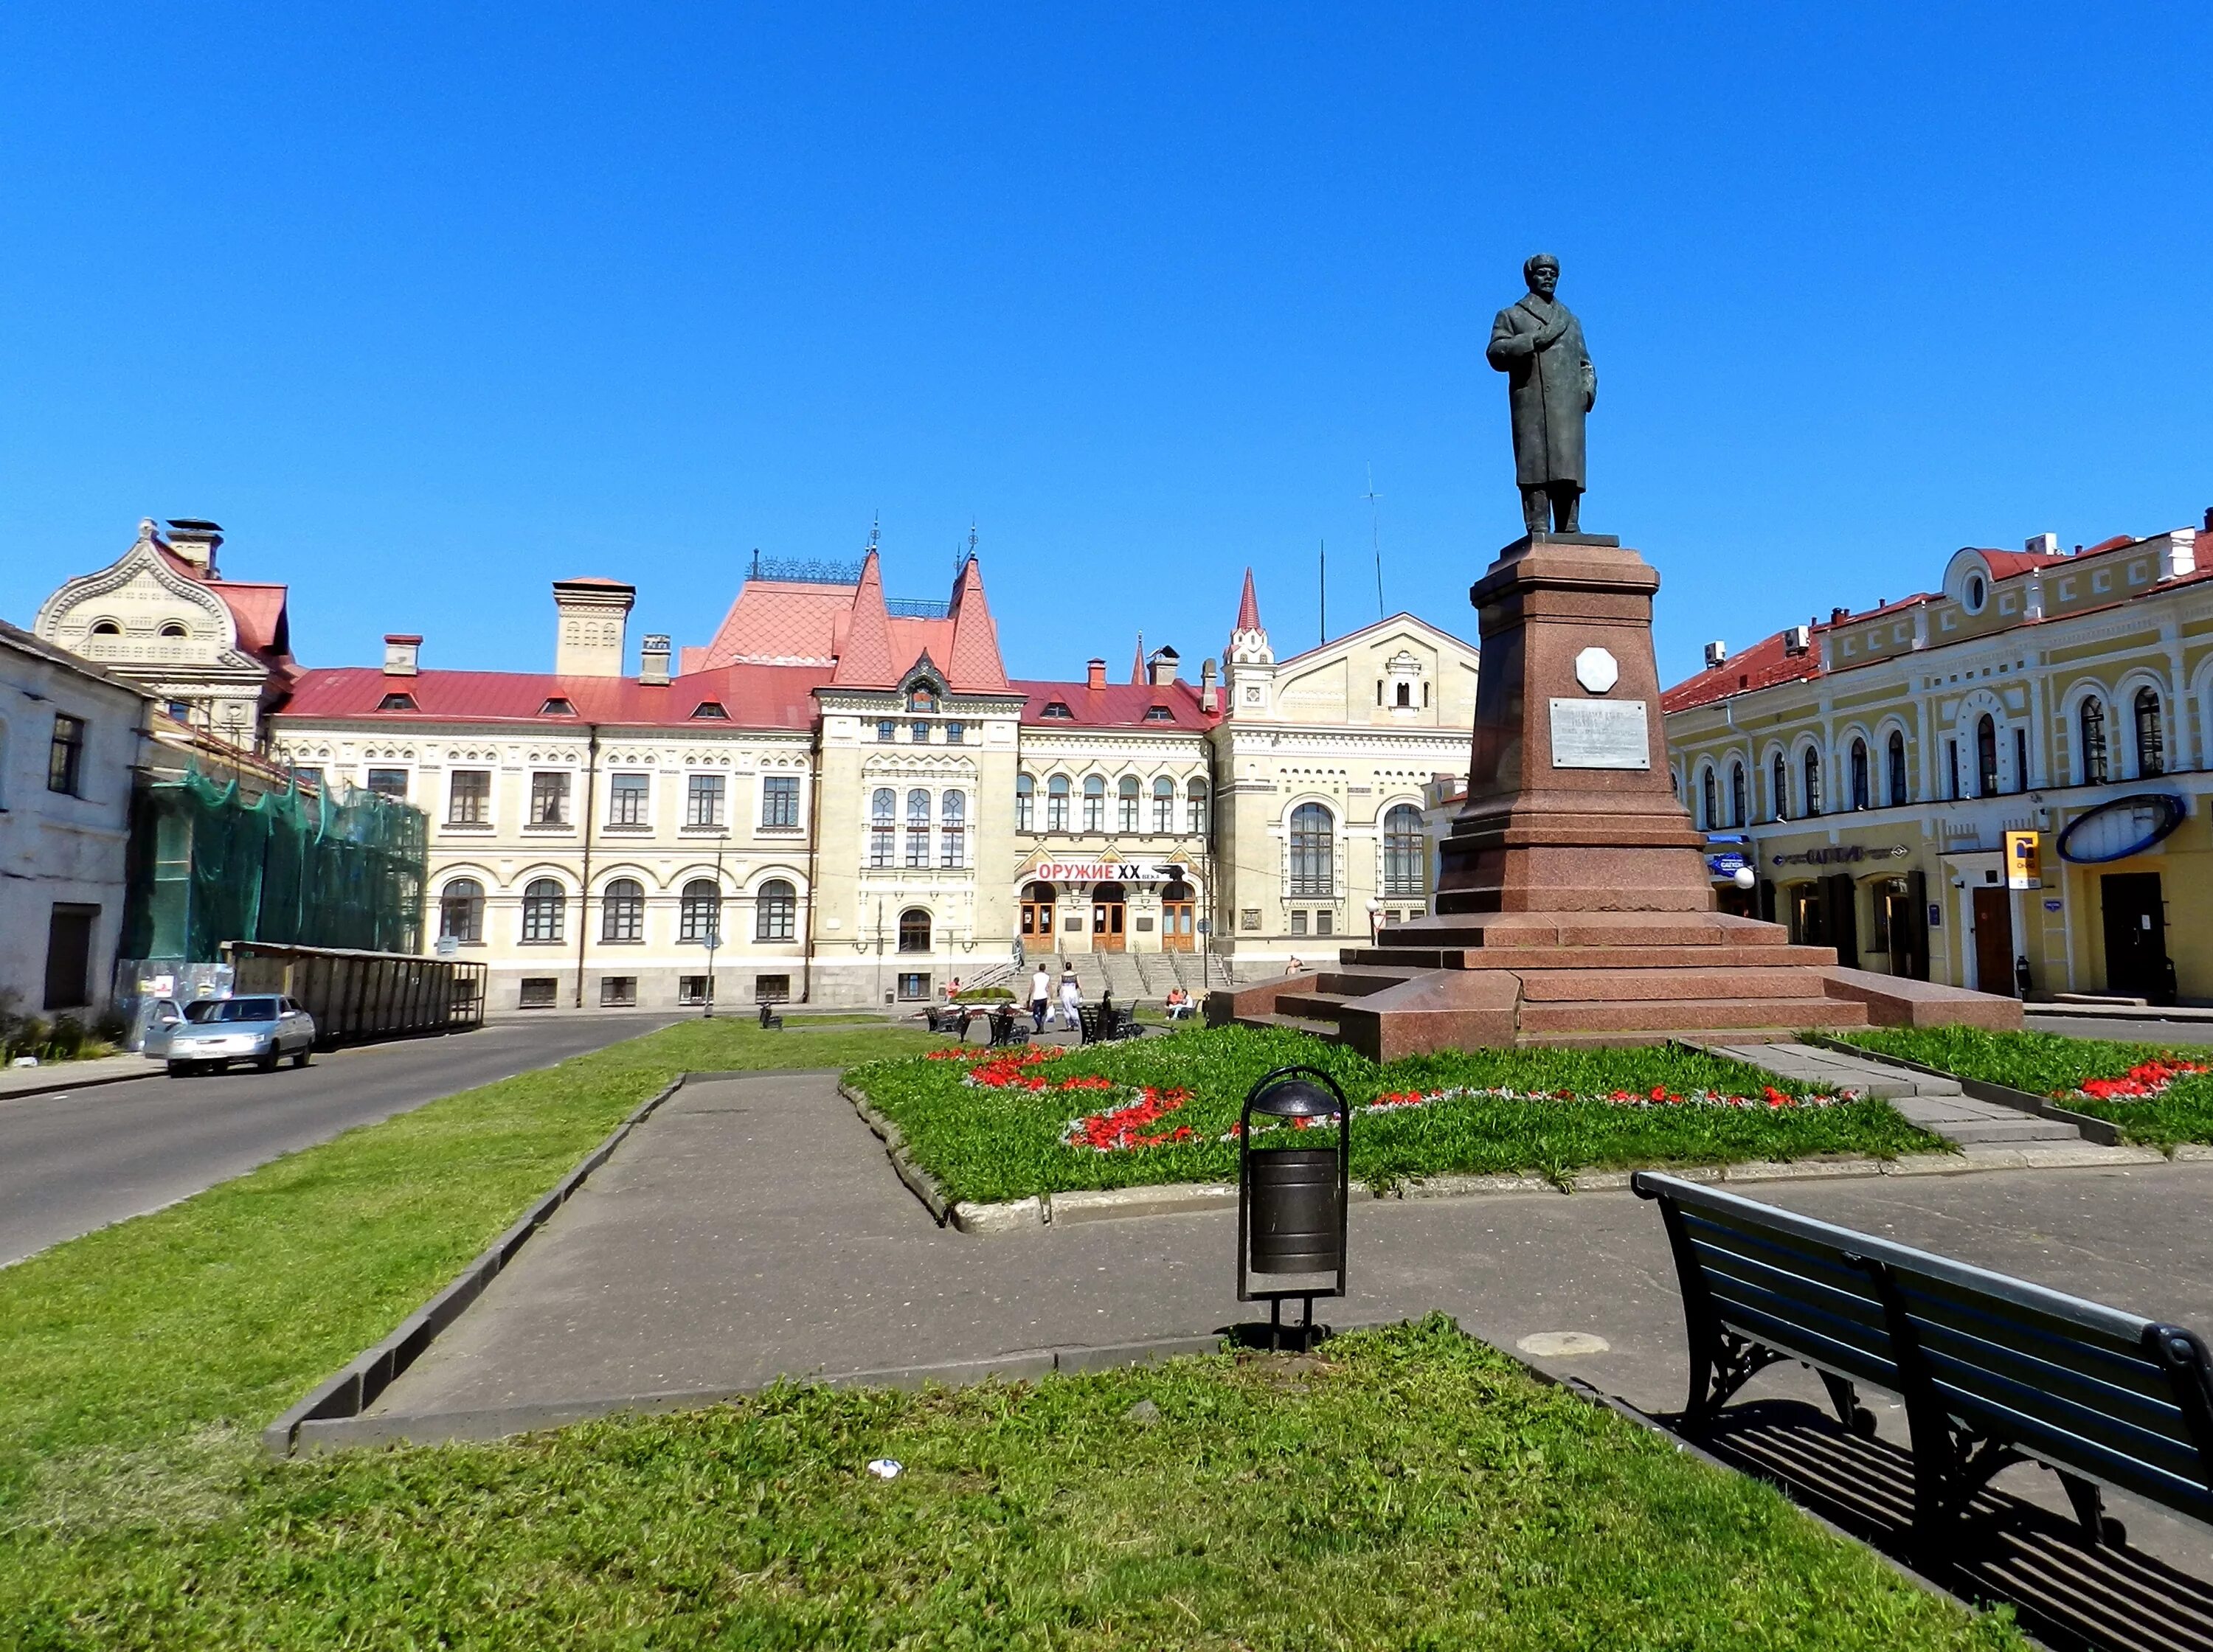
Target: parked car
(261, 1028)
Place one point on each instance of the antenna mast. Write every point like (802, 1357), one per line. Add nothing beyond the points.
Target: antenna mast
(1375, 533)
(1325, 590)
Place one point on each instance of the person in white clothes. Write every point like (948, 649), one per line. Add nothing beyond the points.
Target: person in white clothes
(1041, 998)
(1071, 994)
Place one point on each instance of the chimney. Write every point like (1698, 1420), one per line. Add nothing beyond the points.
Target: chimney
(1838, 616)
(2041, 545)
(653, 660)
(2208, 519)
(196, 541)
(400, 655)
(593, 615)
(1209, 697)
(1095, 674)
(1716, 652)
(1165, 664)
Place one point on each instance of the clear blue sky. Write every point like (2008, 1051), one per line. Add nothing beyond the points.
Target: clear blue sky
(429, 305)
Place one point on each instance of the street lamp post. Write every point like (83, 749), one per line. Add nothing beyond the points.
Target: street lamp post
(715, 923)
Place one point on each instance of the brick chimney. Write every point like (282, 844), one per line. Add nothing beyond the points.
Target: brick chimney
(195, 541)
(400, 654)
(592, 616)
(1095, 674)
(1165, 664)
(1209, 697)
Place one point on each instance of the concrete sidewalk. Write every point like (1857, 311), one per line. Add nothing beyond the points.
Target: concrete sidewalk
(752, 1229)
(51, 1076)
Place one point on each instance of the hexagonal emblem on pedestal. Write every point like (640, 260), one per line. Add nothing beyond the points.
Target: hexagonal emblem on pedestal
(1597, 670)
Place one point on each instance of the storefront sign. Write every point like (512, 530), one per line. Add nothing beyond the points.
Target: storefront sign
(1105, 872)
(2126, 826)
(1601, 734)
(2024, 861)
(1842, 854)
(1726, 865)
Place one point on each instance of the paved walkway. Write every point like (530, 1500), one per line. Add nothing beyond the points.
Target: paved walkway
(1938, 1105)
(69, 1075)
(753, 1228)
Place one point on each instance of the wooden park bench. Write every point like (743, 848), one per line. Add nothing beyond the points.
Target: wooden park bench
(951, 1018)
(1993, 1370)
(1007, 1026)
(1101, 1023)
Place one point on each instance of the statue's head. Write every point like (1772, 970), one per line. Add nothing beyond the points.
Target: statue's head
(1542, 272)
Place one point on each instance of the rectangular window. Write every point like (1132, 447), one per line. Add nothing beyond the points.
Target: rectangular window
(691, 988)
(537, 992)
(1164, 815)
(913, 986)
(1094, 813)
(549, 797)
(884, 731)
(1024, 804)
(703, 800)
(1298, 923)
(952, 845)
(1056, 812)
(880, 845)
(308, 779)
(629, 799)
(1952, 765)
(468, 796)
(780, 804)
(917, 845)
(389, 782)
(921, 733)
(1324, 923)
(2020, 759)
(1125, 813)
(617, 991)
(771, 989)
(956, 734)
(65, 756)
(1195, 815)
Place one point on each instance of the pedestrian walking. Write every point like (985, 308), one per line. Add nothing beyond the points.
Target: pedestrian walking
(1041, 998)
(1071, 994)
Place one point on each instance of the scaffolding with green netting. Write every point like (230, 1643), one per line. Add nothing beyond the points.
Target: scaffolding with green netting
(208, 866)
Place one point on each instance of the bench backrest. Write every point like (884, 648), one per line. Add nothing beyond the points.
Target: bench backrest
(1781, 1279)
(2109, 1395)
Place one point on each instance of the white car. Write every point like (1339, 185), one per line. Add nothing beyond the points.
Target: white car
(260, 1028)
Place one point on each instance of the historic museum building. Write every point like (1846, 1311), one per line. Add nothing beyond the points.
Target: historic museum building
(842, 797)
(2006, 775)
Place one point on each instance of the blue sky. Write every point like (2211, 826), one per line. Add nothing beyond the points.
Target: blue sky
(431, 305)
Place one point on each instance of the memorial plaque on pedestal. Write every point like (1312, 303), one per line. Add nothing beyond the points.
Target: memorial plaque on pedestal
(1601, 734)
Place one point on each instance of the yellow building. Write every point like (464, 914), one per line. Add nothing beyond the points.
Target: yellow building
(1875, 770)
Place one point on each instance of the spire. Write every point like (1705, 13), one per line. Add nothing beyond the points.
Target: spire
(973, 663)
(1248, 607)
(866, 659)
(1137, 666)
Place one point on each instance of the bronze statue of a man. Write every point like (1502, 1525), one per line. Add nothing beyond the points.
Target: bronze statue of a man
(1549, 385)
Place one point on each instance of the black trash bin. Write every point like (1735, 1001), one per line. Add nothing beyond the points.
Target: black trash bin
(1291, 1201)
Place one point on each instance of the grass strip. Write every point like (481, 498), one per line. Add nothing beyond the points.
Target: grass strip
(230, 1305)
(990, 1144)
(1400, 1489)
(2057, 1064)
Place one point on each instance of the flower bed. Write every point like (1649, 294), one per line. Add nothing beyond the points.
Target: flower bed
(993, 1125)
(2157, 1095)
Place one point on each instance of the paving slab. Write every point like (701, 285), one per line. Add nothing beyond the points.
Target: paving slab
(753, 1228)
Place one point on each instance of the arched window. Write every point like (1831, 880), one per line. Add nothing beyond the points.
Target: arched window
(1778, 787)
(1126, 800)
(107, 628)
(542, 905)
(1863, 794)
(1405, 874)
(774, 906)
(1739, 810)
(2151, 739)
(1813, 767)
(1163, 806)
(1025, 803)
(1710, 804)
(460, 911)
(622, 910)
(1056, 803)
(914, 930)
(917, 827)
(174, 630)
(1094, 803)
(952, 829)
(2093, 762)
(1312, 834)
(883, 806)
(1897, 767)
(1194, 820)
(699, 912)
(1987, 756)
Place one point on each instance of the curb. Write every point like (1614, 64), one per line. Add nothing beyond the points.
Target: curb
(153, 1070)
(2102, 1132)
(343, 1397)
(440, 1428)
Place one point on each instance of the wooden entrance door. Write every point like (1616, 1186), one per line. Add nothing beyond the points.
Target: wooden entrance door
(1109, 914)
(1179, 917)
(1994, 940)
(1037, 914)
(2135, 935)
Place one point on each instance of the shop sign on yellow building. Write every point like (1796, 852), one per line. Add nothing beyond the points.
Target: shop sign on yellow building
(2024, 861)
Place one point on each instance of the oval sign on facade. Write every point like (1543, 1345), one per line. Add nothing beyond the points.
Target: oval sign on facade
(2126, 826)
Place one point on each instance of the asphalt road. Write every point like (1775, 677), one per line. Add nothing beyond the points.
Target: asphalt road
(74, 1162)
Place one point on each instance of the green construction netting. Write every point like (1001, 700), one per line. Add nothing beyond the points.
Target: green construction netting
(285, 867)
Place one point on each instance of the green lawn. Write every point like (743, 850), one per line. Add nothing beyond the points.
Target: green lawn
(2057, 1064)
(222, 1311)
(1405, 1489)
(986, 1143)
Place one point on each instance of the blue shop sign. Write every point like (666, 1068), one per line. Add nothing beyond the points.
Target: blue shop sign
(1726, 865)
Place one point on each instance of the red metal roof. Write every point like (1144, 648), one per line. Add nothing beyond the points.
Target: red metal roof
(1763, 665)
(1248, 605)
(755, 696)
(1117, 705)
(257, 611)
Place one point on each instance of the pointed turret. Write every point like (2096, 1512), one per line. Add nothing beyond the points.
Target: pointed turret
(972, 664)
(1138, 665)
(1248, 605)
(865, 660)
(1248, 641)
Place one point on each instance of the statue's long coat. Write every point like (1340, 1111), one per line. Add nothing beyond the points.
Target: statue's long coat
(1548, 390)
